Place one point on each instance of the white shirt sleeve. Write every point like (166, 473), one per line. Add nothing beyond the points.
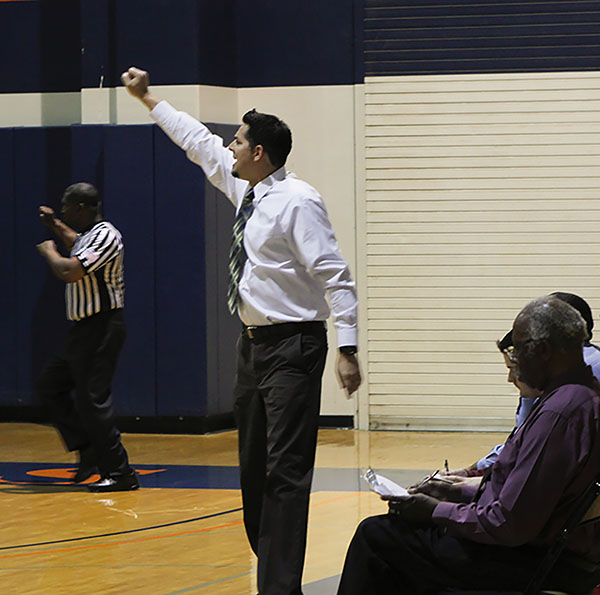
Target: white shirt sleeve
(316, 248)
(202, 147)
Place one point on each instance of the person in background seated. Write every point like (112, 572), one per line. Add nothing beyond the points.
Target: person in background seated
(528, 395)
(447, 535)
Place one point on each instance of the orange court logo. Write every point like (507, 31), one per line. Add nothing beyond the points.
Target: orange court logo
(64, 475)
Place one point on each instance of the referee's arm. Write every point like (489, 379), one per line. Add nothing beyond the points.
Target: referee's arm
(68, 270)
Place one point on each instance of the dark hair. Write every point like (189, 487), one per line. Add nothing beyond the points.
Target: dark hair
(580, 305)
(270, 132)
(82, 192)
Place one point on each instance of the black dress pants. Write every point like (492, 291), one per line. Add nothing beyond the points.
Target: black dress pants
(386, 555)
(75, 388)
(277, 402)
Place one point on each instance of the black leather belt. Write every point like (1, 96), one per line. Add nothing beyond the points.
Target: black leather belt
(282, 330)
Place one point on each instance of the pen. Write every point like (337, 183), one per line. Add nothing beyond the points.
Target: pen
(428, 478)
(433, 476)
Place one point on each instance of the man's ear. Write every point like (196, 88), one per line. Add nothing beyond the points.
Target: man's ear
(545, 350)
(258, 153)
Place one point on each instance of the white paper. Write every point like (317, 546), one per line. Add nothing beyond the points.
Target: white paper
(384, 486)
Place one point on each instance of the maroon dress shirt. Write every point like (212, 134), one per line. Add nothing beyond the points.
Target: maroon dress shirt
(546, 464)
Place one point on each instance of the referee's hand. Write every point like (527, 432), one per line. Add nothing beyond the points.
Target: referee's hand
(47, 216)
(348, 373)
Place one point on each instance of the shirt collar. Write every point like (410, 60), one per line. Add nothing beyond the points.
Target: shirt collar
(265, 186)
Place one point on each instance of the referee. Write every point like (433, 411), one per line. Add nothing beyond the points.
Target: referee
(75, 384)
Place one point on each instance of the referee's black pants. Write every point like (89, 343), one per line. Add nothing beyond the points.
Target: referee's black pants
(277, 402)
(75, 388)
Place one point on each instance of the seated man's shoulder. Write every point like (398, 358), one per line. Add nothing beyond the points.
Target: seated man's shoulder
(573, 399)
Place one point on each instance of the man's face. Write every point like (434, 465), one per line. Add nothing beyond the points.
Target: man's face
(70, 211)
(243, 153)
(524, 389)
(531, 368)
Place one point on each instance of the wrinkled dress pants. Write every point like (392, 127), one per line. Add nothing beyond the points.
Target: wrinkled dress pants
(277, 401)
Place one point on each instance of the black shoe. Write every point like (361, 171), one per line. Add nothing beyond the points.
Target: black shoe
(115, 482)
(87, 465)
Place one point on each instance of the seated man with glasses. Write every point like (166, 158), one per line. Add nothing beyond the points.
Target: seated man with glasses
(494, 536)
(527, 394)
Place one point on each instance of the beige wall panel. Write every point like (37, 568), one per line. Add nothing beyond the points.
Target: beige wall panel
(474, 82)
(39, 109)
(510, 248)
(372, 139)
(380, 110)
(580, 149)
(482, 192)
(487, 162)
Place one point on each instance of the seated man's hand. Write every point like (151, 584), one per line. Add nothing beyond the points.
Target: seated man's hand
(414, 509)
(465, 481)
(471, 471)
(440, 489)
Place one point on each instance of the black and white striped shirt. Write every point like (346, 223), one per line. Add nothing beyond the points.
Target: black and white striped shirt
(100, 251)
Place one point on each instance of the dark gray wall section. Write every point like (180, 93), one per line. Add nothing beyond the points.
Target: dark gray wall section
(470, 36)
(224, 328)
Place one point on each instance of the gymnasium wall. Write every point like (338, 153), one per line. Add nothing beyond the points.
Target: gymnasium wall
(482, 142)
(179, 356)
(456, 145)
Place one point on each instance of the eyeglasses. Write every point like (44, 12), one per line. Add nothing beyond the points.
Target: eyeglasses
(513, 351)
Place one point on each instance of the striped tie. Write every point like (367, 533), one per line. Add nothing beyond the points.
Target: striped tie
(237, 254)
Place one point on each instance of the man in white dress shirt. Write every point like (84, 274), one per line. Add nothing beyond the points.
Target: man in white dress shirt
(283, 262)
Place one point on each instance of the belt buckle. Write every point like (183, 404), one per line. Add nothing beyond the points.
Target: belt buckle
(250, 332)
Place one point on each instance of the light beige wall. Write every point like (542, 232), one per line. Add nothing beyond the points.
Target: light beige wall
(39, 109)
(482, 192)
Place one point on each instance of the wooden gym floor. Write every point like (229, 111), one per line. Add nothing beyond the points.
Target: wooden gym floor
(182, 532)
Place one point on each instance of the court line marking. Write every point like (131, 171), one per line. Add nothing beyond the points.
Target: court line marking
(200, 518)
(140, 540)
(112, 543)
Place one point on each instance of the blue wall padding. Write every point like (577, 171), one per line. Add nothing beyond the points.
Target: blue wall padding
(180, 281)
(41, 163)
(129, 205)
(87, 155)
(8, 296)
